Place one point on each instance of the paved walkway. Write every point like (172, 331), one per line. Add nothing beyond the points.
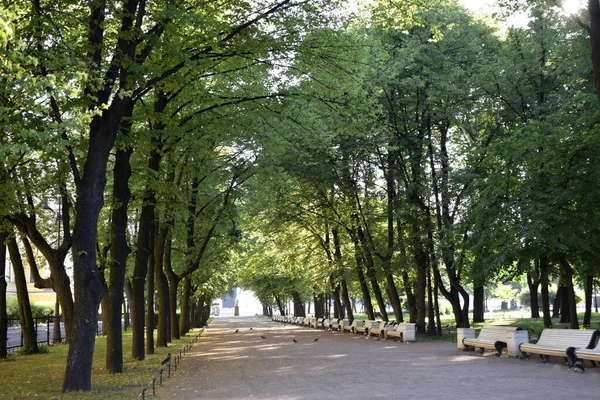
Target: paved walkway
(228, 365)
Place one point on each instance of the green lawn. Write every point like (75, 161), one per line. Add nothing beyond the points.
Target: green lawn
(41, 375)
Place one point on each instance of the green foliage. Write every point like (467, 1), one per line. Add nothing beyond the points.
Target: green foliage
(37, 310)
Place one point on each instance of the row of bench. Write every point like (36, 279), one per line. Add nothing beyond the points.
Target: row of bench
(573, 345)
(405, 332)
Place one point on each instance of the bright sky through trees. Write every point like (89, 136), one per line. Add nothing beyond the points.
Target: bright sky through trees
(569, 6)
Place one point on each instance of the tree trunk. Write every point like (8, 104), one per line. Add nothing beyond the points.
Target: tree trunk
(3, 286)
(347, 302)
(545, 295)
(338, 308)
(340, 263)
(588, 288)
(25, 317)
(366, 296)
(533, 291)
(119, 251)
(162, 286)
(298, 305)
(184, 322)
(371, 273)
(479, 304)
(431, 328)
(594, 32)
(319, 305)
(280, 306)
(556, 306)
(572, 303)
(142, 255)
(410, 298)
(150, 291)
(173, 288)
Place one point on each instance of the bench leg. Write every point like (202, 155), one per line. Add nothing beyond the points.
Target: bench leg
(545, 358)
(499, 346)
(573, 361)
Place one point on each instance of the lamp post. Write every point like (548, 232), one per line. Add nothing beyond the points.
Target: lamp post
(56, 336)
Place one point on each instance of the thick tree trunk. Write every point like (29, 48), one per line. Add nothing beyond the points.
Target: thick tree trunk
(411, 301)
(173, 288)
(184, 323)
(431, 328)
(119, 252)
(140, 270)
(25, 317)
(319, 300)
(280, 306)
(162, 286)
(366, 296)
(150, 291)
(572, 303)
(337, 300)
(533, 285)
(594, 31)
(337, 254)
(298, 305)
(545, 293)
(371, 273)
(558, 300)
(479, 304)
(588, 288)
(3, 286)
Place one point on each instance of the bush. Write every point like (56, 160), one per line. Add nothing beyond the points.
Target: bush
(12, 309)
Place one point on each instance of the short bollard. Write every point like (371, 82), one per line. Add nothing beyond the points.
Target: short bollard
(153, 386)
(160, 377)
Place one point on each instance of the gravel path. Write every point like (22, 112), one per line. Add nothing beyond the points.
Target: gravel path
(228, 365)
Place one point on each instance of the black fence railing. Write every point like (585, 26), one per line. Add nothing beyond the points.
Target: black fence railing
(49, 330)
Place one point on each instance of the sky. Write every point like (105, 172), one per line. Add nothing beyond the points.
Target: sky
(569, 6)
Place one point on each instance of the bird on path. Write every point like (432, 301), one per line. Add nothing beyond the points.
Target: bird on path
(263, 337)
(166, 360)
(236, 331)
(316, 340)
(295, 341)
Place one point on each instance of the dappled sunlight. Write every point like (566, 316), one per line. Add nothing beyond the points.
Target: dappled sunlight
(333, 356)
(270, 348)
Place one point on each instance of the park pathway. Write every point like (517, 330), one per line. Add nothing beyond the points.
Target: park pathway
(228, 365)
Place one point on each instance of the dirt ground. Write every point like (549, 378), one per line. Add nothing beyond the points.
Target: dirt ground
(228, 365)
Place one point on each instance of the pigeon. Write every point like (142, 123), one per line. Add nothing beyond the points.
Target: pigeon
(316, 340)
(236, 331)
(295, 341)
(166, 360)
(263, 337)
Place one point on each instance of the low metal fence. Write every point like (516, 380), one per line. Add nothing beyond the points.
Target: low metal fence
(49, 330)
(169, 367)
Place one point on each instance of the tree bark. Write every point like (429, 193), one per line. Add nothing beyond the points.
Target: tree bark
(162, 286)
(119, 251)
(3, 286)
(479, 304)
(572, 303)
(25, 317)
(545, 295)
(150, 291)
(588, 288)
(533, 285)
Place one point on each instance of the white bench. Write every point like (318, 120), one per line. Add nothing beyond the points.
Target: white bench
(364, 328)
(404, 331)
(496, 338)
(555, 342)
(576, 356)
(352, 327)
(378, 328)
(317, 323)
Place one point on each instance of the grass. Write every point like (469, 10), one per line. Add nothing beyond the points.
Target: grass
(41, 375)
